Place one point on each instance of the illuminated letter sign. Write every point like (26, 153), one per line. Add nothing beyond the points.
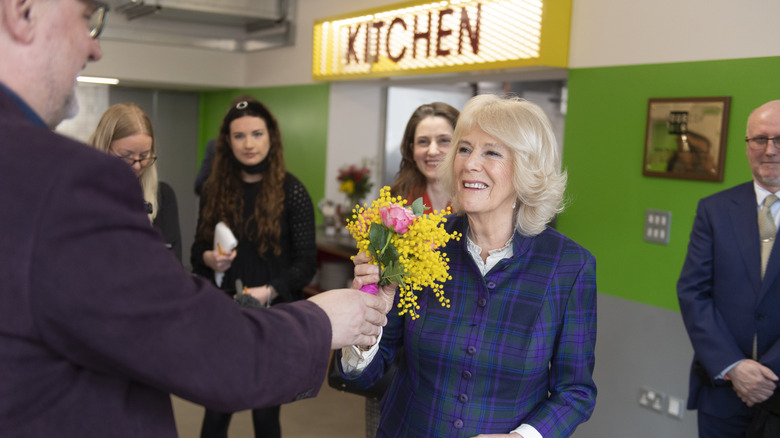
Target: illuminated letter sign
(421, 37)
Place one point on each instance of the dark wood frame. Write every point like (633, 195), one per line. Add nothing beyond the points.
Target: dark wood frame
(693, 145)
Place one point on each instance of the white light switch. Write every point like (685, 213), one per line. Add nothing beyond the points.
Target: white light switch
(675, 407)
(658, 224)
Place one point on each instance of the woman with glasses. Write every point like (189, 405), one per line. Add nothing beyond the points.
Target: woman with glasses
(125, 132)
(271, 215)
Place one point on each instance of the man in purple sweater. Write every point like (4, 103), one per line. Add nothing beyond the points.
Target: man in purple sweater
(99, 323)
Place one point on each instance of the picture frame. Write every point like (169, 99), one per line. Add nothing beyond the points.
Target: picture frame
(685, 138)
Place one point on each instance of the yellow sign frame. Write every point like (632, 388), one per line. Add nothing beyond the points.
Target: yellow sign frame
(340, 53)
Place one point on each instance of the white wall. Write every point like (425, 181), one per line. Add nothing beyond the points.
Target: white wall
(626, 32)
(355, 134)
(163, 66)
(93, 102)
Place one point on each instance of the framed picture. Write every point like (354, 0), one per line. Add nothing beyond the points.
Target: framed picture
(686, 138)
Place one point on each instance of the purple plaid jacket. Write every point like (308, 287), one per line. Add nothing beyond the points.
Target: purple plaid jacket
(517, 346)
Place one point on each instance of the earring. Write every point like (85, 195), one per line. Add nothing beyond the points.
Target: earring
(514, 204)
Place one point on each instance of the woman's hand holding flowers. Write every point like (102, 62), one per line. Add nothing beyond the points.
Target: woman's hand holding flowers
(367, 274)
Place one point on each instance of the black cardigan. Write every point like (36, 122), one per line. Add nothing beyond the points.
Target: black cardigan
(289, 272)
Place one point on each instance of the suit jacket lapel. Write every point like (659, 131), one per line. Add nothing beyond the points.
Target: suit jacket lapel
(744, 218)
(771, 269)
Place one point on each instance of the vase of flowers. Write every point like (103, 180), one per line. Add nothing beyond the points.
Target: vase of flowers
(355, 182)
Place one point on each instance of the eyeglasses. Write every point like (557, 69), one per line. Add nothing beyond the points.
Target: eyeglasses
(97, 18)
(143, 161)
(760, 142)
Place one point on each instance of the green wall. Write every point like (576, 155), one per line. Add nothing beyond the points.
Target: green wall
(603, 150)
(302, 112)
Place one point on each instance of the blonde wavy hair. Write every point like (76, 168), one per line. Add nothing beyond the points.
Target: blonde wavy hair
(124, 120)
(537, 178)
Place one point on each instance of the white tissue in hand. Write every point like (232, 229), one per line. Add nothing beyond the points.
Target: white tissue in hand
(224, 242)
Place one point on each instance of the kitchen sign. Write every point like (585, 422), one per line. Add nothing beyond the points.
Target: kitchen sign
(421, 37)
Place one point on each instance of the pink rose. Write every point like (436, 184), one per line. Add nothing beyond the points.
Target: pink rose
(397, 218)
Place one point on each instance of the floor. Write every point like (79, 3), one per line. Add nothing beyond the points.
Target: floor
(331, 414)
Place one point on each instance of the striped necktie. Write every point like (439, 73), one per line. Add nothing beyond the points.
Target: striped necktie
(766, 230)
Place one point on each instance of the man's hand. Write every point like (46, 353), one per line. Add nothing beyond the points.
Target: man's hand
(366, 273)
(355, 317)
(753, 382)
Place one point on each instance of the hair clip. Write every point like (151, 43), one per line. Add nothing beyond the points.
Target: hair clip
(242, 105)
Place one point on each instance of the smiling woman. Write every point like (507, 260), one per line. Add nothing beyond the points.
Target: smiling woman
(512, 136)
(527, 291)
(425, 142)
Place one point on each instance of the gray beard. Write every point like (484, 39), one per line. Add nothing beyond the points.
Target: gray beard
(71, 106)
(68, 110)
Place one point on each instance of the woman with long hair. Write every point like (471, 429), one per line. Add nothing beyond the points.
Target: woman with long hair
(271, 215)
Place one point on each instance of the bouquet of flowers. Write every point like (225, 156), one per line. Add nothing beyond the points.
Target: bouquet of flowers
(403, 243)
(355, 182)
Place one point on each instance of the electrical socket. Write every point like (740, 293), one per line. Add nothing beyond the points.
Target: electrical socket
(652, 399)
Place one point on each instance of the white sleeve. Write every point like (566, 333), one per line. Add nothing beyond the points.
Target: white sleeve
(527, 431)
(354, 361)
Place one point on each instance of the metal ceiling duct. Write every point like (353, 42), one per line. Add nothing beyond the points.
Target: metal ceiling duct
(235, 25)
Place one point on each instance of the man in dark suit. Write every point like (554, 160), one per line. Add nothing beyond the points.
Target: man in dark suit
(729, 305)
(99, 322)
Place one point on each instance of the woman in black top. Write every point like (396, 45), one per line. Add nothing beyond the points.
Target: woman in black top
(272, 216)
(125, 131)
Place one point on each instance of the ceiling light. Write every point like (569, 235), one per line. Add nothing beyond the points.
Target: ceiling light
(97, 80)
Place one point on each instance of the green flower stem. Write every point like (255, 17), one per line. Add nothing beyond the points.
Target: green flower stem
(387, 242)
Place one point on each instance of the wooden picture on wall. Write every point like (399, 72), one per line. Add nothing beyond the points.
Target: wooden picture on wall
(686, 138)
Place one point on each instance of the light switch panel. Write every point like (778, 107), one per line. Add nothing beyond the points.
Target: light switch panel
(658, 224)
